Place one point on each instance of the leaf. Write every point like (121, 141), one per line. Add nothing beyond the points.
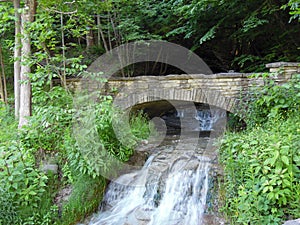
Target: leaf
(285, 160)
(265, 189)
(209, 35)
(15, 186)
(267, 161)
(254, 142)
(257, 169)
(273, 161)
(32, 193)
(284, 150)
(271, 195)
(278, 170)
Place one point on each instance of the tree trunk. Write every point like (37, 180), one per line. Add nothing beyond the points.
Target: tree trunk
(63, 77)
(3, 77)
(101, 33)
(25, 88)
(89, 38)
(1, 87)
(17, 56)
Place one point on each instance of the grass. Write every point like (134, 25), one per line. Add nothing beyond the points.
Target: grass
(85, 198)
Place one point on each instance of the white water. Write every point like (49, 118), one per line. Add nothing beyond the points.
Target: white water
(171, 189)
(207, 117)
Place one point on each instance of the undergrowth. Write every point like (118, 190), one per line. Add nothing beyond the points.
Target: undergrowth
(28, 194)
(262, 163)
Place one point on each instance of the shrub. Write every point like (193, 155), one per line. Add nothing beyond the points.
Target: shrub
(23, 184)
(104, 139)
(262, 163)
(26, 193)
(273, 101)
(52, 114)
(263, 174)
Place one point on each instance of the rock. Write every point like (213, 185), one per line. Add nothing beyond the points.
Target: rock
(138, 159)
(213, 220)
(144, 142)
(50, 167)
(63, 195)
(292, 222)
(142, 214)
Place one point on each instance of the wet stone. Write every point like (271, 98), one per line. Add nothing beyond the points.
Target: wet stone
(292, 222)
(192, 165)
(142, 214)
(172, 189)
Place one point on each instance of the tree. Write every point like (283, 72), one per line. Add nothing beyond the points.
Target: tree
(27, 17)
(3, 89)
(17, 56)
(5, 28)
(294, 6)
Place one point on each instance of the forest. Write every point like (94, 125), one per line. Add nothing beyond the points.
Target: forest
(44, 43)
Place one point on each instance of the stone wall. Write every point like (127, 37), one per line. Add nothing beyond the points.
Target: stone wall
(224, 90)
(286, 69)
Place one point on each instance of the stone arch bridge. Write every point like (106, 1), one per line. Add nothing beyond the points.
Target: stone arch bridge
(223, 90)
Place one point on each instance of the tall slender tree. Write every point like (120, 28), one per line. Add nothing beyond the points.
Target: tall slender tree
(17, 56)
(3, 78)
(27, 16)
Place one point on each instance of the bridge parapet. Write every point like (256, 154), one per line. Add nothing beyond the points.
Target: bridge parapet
(223, 90)
(286, 69)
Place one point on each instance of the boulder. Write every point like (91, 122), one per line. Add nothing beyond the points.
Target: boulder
(50, 167)
(292, 222)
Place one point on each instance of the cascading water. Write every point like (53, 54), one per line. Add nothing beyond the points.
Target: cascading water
(171, 189)
(173, 185)
(202, 119)
(208, 118)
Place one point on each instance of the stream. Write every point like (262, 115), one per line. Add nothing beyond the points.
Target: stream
(172, 188)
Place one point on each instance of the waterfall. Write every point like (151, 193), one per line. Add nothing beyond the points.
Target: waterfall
(171, 189)
(202, 119)
(208, 118)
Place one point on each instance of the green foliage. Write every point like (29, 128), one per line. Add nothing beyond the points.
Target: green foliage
(23, 183)
(8, 211)
(27, 192)
(6, 19)
(48, 58)
(103, 139)
(52, 114)
(294, 6)
(86, 194)
(140, 126)
(262, 174)
(8, 124)
(225, 33)
(273, 101)
(262, 163)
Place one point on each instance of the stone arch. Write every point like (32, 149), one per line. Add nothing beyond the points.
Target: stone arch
(207, 96)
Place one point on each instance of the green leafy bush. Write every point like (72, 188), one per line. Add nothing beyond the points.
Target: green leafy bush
(26, 192)
(8, 125)
(8, 211)
(262, 169)
(104, 139)
(273, 101)
(22, 186)
(22, 182)
(52, 114)
(262, 163)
